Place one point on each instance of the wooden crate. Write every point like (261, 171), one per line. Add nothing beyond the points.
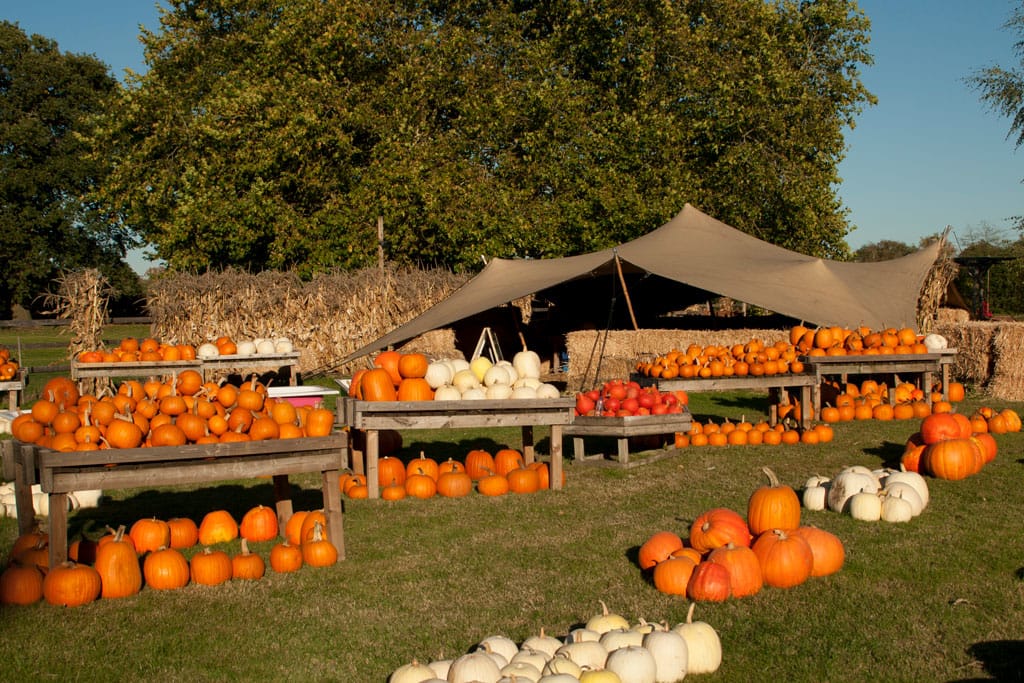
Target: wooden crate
(622, 428)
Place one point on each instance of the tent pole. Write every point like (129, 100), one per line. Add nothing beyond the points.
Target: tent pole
(622, 280)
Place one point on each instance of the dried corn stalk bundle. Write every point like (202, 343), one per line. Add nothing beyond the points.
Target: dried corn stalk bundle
(974, 344)
(325, 318)
(933, 291)
(1007, 382)
(81, 298)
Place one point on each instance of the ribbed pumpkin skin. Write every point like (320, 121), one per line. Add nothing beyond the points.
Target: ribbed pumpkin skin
(786, 560)
(744, 569)
(166, 569)
(71, 585)
(259, 524)
(952, 459)
(658, 548)
(210, 567)
(21, 585)
(827, 550)
(718, 527)
(710, 583)
(775, 506)
(376, 385)
(672, 576)
(118, 567)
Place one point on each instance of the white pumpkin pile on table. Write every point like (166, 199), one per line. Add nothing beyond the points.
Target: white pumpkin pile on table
(869, 495)
(480, 378)
(249, 347)
(606, 650)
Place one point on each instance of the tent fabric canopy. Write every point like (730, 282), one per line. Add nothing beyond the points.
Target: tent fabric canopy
(698, 250)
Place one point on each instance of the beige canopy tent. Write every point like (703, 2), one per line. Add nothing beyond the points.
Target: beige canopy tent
(695, 249)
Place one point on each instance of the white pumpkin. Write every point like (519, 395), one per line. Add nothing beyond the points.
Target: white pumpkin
(479, 366)
(633, 665)
(547, 391)
(266, 347)
(561, 664)
(413, 672)
(703, 646)
(895, 509)
(531, 382)
(850, 481)
(207, 350)
(602, 676)
(283, 345)
(459, 364)
(438, 374)
(513, 374)
(543, 643)
(503, 645)
(816, 480)
(935, 342)
(671, 655)
(815, 497)
(496, 374)
(587, 653)
(246, 348)
(578, 635)
(912, 479)
(440, 667)
(474, 667)
(447, 392)
(558, 678)
(865, 506)
(621, 637)
(535, 657)
(464, 380)
(905, 492)
(524, 393)
(606, 621)
(520, 671)
(498, 392)
(474, 394)
(527, 364)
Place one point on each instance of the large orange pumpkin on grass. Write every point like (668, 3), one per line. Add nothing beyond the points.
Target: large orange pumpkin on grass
(658, 547)
(775, 506)
(718, 527)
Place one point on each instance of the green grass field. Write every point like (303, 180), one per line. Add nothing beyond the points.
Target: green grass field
(940, 598)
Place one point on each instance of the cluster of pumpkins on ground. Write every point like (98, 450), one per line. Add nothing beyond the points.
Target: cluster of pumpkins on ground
(490, 475)
(8, 366)
(729, 556)
(758, 358)
(153, 554)
(744, 433)
(182, 410)
(397, 376)
(605, 649)
(153, 350)
(955, 446)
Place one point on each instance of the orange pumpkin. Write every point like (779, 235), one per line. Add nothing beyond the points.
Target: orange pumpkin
(412, 365)
(377, 385)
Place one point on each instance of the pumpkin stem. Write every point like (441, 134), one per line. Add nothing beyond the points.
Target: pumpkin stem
(773, 480)
(689, 613)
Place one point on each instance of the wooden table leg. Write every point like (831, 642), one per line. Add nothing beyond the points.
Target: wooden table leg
(578, 449)
(529, 454)
(372, 452)
(282, 501)
(334, 512)
(58, 529)
(809, 410)
(24, 477)
(556, 457)
(623, 443)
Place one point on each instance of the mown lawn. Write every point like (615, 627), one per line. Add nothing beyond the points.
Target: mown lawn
(938, 599)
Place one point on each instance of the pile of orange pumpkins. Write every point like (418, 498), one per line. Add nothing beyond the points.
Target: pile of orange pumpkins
(132, 350)
(490, 475)
(182, 410)
(8, 366)
(744, 433)
(729, 556)
(395, 376)
(153, 554)
(955, 446)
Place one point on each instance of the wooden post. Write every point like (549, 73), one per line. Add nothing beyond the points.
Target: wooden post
(380, 242)
(625, 291)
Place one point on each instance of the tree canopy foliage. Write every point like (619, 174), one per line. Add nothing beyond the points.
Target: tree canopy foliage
(47, 221)
(273, 135)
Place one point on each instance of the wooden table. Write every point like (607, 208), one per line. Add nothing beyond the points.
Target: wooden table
(274, 361)
(773, 383)
(14, 387)
(58, 474)
(922, 365)
(373, 416)
(622, 428)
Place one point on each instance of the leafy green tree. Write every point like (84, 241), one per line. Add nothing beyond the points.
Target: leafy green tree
(883, 251)
(46, 219)
(275, 134)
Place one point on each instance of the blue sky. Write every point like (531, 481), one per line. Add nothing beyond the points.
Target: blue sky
(926, 156)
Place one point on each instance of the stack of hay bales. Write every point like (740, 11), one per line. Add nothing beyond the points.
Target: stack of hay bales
(990, 356)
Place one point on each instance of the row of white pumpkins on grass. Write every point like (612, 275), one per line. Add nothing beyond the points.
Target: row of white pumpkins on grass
(459, 380)
(607, 649)
(869, 495)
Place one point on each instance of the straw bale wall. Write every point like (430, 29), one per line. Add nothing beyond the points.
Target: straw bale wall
(623, 348)
(990, 356)
(326, 318)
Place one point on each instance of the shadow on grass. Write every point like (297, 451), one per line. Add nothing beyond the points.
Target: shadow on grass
(194, 504)
(1002, 660)
(888, 452)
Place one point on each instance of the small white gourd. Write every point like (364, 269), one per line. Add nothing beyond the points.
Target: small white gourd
(547, 391)
(703, 646)
(606, 621)
(621, 637)
(464, 380)
(850, 481)
(578, 635)
(561, 664)
(447, 392)
(905, 492)
(587, 653)
(633, 664)
(535, 657)
(527, 364)
(520, 671)
(524, 393)
(865, 506)
(496, 374)
(503, 645)
(558, 678)
(671, 655)
(207, 350)
(440, 667)
(438, 374)
(474, 667)
(602, 676)
(935, 342)
(414, 672)
(246, 348)
(815, 497)
(913, 479)
(542, 642)
(895, 509)
(266, 347)
(498, 392)
(283, 345)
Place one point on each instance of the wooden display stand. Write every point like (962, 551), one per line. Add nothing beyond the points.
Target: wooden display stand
(59, 473)
(14, 388)
(271, 361)
(922, 365)
(622, 428)
(373, 416)
(806, 382)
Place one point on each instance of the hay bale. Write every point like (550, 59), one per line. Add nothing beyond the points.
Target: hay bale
(1007, 382)
(596, 356)
(436, 345)
(973, 342)
(951, 315)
